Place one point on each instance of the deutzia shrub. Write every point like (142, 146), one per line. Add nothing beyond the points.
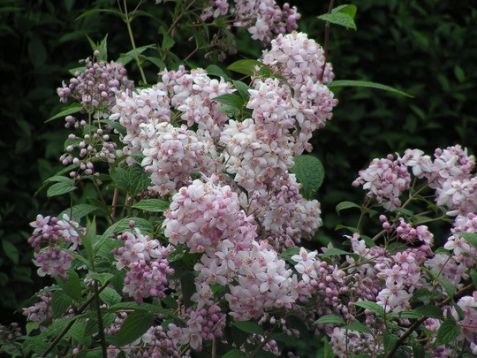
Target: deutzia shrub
(197, 240)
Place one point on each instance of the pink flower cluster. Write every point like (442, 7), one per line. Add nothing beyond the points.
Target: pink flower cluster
(204, 214)
(348, 342)
(53, 240)
(450, 174)
(468, 323)
(407, 232)
(264, 19)
(203, 324)
(40, 311)
(146, 263)
(401, 277)
(320, 280)
(96, 86)
(385, 180)
(171, 155)
(146, 105)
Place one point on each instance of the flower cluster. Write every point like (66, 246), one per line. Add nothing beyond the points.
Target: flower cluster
(385, 180)
(204, 214)
(85, 150)
(146, 263)
(53, 240)
(204, 324)
(264, 19)
(40, 311)
(96, 86)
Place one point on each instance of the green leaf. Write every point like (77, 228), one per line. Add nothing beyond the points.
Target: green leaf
(367, 84)
(248, 327)
(215, 70)
(333, 251)
(188, 287)
(288, 253)
(448, 332)
(310, 173)
(123, 225)
(470, 237)
(101, 277)
(11, 251)
(66, 111)
(129, 56)
(339, 18)
(242, 89)
(79, 211)
(110, 296)
(134, 326)
(60, 189)
(78, 332)
(428, 311)
(72, 285)
(358, 327)
(152, 205)
(234, 353)
(246, 67)
(167, 41)
(346, 205)
(389, 341)
(131, 179)
(348, 9)
(331, 319)
(60, 302)
(89, 239)
(371, 306)
(230, 104)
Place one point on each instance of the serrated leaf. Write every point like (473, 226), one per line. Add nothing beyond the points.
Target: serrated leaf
(152, 205)
(248, 327)
(371, 306)
(79, 211)
(242, 89)
(78, 332)
(66, 111)
(215, 70)
(346, 205)
(60, 189)
(367, 84)
(10, 251)
(123, 225)
(132, 179)
(110, 296)
(331, 319)
(348, 9)
(129, 56)
(389, 341)
(60, 302)
(134, 326)
(358, 327)
(448, 332)
(428, 311)
(309, 172)
(71, 285)
(339, 18)
(247, 66)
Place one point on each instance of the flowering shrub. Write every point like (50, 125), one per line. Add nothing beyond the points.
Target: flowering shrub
(193, 242)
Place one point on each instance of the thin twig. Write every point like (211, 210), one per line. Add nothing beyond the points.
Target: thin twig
(114, 203)
(102, 337)
(420, 321)
(70, 324)
(327, 38)
(127, 20)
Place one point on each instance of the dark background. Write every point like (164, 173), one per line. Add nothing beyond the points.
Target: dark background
(427, 48)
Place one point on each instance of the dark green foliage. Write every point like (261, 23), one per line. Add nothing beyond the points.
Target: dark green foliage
(426, 48)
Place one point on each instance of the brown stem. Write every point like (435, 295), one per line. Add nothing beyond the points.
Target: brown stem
(420, 321)
(114, 203)
(70, 324)
(102, 337)
(327, 38)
